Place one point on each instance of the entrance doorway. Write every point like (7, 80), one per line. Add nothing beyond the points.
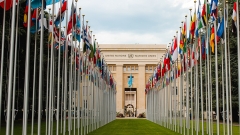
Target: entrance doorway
(130, 106)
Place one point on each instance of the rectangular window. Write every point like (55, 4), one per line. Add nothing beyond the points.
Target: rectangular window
(128, 68)
(146, 68)
(114, 68)
(136, 68)
(150, 68)
(124, 68)
(132, 68)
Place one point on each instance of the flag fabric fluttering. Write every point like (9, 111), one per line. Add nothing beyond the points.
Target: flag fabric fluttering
(61, 13)
(212, 42)
(198, 22)
(234, 19)
(220, 28)
(78, 29)
(72, 20)
(37, 3)
(9, 4)
(214, 4)
(175, 50)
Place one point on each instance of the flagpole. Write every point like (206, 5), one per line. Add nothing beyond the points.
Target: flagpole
(34, 75)
(26, 82)
(59, 62)
(216, 76)
(40, 73)
(180, 90)
(238, 45)
(14, 76)
(2, 58)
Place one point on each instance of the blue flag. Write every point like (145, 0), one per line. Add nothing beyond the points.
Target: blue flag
(78, 29)
(220, 28)
(130, 81)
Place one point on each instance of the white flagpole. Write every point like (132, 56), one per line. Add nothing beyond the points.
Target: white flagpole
(40, 73)
(216, 76)
(26, 82)
(14, 76)
(2, 58)
(34, 74)
(238, 63)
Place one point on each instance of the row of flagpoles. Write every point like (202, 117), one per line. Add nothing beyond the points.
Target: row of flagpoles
(80, 92)
(177, 92)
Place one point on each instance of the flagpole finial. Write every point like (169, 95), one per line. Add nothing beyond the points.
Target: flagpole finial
(177, 31)
(185, 15)
(182, 21)
(83, 15)
(226, 1)
(190, 9)
(80, 8)
(87, 22)
(95, 39)
(195, 1)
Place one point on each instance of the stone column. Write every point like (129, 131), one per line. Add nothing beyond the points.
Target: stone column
(141, 107)
(120, 92)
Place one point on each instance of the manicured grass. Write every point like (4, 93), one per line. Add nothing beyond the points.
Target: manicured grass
(132, 127)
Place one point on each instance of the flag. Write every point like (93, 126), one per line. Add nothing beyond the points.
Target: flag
(203, 21)
(234, 19)
(35, 23)
(214, 4)
(94, 52)
(183, 38)
(198, 19)
(61, 11)
(8, 4)
(175, 51)
(78, 29)
(220, 28)
(25, 16)
(50, 2)
(193, 23)
(203, 47)
(37, 3)
(212, 42)
(72, 20)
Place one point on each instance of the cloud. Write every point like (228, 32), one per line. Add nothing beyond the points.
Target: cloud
(135, 21)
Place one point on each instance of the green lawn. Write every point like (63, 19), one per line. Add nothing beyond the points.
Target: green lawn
(132, 127)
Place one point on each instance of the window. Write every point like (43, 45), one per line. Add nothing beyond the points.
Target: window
(114, 68)
(124, 68)
(129, 97)
(146, 68)
(132, 68)
(150, 68)
(128, 68)
(136, 68)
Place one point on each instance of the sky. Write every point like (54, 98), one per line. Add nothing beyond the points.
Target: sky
(135, 21)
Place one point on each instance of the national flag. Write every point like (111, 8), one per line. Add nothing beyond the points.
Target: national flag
(9, 4)
(175, 51)
(34, 22)
(220, 28)
(50, 2)
(214, 4)
(25, 16)
(203, 21)
(38, 3)
(193, 23)
(234, 19)
(198, 19)
(94, 52)
(203, 47)
(212, 42)
(44, 20)
(61, 13)
(78, 29)
(183, 39)
(72, 20)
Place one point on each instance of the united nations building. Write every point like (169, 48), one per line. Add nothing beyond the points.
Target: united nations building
(138, 60)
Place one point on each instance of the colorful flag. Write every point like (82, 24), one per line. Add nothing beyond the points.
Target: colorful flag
(220, 28)
(50, 2)
(175, 51)
(198, 19)
(214, 4)
(8, 4)
(212, 42)
(61, 12)
(72, 20)
(37, 3)
(234, 19)
(78, 29)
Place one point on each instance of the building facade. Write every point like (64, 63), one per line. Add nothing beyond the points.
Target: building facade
(137, 60)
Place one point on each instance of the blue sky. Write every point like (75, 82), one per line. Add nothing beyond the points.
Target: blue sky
(135, 21)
